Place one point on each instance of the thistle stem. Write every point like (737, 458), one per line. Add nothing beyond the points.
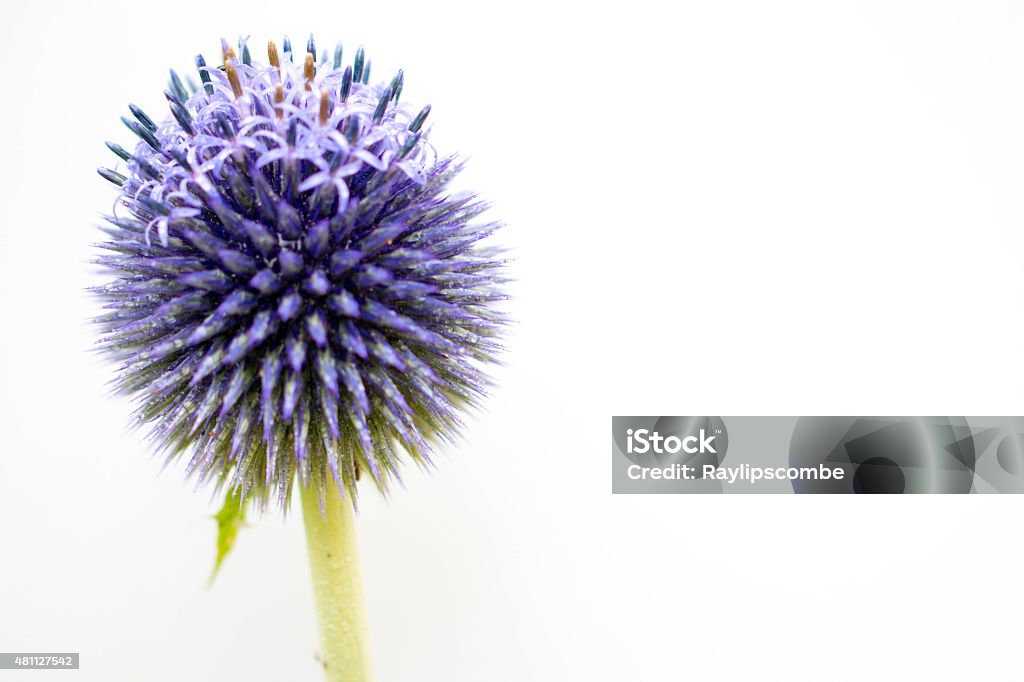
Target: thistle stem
(337, 586)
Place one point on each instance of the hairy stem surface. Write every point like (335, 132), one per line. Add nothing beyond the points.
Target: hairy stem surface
(337, 586)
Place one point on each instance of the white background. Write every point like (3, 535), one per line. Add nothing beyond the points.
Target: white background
(716, 208)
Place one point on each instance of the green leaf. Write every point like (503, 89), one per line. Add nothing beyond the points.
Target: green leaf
(230, 520)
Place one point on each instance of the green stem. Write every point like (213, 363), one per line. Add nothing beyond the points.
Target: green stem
(337, 586)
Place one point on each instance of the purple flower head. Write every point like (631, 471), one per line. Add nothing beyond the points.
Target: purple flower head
(295, 289)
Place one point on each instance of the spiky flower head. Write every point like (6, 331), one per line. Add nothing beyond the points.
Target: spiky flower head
(295, 289)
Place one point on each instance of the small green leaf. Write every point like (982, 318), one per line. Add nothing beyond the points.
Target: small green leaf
(230, 519)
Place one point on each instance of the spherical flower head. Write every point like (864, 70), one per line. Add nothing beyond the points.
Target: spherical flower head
(295, 289)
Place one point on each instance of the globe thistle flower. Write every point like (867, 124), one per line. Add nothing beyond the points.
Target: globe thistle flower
(295, 290)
